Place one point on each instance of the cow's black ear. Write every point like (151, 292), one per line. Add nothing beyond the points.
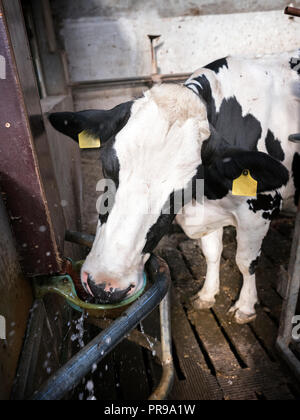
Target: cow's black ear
(213, 147)
(269, 173)
(101, 124)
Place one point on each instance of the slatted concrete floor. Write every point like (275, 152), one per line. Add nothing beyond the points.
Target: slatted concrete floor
(217, 358)
(214, 357)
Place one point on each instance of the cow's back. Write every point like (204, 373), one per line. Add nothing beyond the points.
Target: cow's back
(255, 104)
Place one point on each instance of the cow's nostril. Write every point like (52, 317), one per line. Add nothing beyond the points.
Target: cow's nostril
(85, 282)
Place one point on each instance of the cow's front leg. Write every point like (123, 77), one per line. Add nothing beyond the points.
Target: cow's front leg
(249, 239)
(212, 247)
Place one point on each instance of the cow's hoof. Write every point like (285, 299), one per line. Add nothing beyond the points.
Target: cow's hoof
(241, 318)
(200, 304)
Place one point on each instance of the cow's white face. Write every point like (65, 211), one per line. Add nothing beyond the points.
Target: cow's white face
(158, 152)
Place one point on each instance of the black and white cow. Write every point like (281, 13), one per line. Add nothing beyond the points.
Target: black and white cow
(230, 116)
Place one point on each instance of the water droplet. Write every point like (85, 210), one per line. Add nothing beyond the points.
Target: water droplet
(90, 386)
(64, 203)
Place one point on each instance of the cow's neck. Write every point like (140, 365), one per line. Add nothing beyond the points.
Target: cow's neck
(246, 130)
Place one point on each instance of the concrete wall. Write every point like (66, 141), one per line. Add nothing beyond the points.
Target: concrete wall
(112, 42)
(164, 8)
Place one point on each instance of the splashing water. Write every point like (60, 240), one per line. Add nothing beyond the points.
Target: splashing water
(79, 326)
(151, 345)
(91, 389)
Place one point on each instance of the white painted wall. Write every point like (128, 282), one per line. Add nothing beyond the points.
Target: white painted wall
(105, 48)
(163, 8)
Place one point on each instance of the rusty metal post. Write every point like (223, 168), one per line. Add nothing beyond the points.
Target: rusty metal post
(23, 190)
(154, 74)
(292, 11)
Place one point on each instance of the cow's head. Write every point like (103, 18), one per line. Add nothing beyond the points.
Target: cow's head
(150, 148)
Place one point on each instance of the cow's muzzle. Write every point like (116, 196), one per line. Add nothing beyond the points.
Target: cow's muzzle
(106, 290)
(108, 295)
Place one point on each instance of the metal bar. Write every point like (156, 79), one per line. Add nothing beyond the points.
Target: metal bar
(289, 357)
(28, 359)
(295, 138)
(132, 81)
(80, 238)
(143, 340)
(51, 38)
(292, 11)
(71, 374)
(167, 379)
(154, 64)
(35, 52)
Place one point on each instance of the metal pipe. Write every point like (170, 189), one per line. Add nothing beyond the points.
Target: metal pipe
(131, 81)
(167, 379)
(49, 26)
(288, 356)
(143, 340)
(80, 238)
(295, 138)
(80, 365)
(154, 64)
(292, 11)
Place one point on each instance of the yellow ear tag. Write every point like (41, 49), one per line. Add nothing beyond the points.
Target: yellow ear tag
(245, 185)
(86, 141)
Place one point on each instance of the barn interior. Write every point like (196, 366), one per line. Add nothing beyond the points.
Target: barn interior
(68, 55)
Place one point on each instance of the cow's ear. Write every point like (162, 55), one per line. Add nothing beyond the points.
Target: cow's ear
(102, 124)
(213, 147)
(269, 173)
